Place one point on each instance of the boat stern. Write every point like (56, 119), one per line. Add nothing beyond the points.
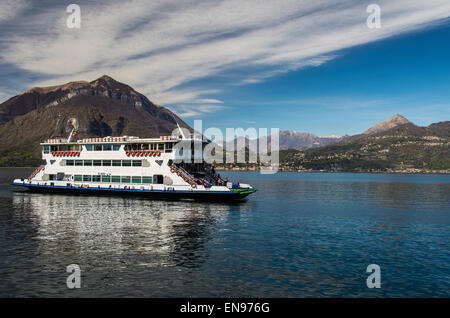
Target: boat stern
(242, 189)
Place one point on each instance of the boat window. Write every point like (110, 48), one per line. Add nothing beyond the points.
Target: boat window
(115, 179)
(152, 146)
(95, 178)
(169, 147)
(78, 162)
(161, 147)
(136, 180)
(52, 177)
(147, 179)
(106, 179)
(97, 163)
(89, 147)
(137, 163)
(125, 179)
(88, 162)
(126, 163)
(78, 177)
(98, 147)
(46, 149)
(116, 163)
(69, 163)
(87, 178)
(158, 179)
(116, 147)
(145, 146)
(107, 163)
(107, 147)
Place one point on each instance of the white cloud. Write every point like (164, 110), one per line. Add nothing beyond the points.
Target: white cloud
(195, 110)
(160, 46)
(10, 8)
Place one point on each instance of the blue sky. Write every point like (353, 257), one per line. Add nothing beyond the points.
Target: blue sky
(407, 74)
(309, 66)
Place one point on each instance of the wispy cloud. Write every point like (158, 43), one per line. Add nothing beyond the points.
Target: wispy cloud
(163, 47)
(10, 8)
(195, 110)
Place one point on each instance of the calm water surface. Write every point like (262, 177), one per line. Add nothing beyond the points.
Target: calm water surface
(300, 235)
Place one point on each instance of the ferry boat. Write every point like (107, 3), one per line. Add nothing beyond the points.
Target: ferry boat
(127, 165)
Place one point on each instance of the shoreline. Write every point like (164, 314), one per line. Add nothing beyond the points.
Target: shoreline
(308, 171)
(355, 172)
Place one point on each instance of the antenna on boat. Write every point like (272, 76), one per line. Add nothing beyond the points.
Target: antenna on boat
(70, 136)
(181, 131)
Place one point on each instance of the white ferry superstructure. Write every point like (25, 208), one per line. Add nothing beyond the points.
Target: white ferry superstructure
(148, 167)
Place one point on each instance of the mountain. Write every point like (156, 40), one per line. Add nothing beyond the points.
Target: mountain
(286, 139)
(404, 147)
(302, 141)
(392, 122)
(103, 107)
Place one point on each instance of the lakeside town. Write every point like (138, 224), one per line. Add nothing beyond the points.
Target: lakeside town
(286, 168)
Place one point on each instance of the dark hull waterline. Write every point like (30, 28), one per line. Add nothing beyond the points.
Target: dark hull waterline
(148, 194)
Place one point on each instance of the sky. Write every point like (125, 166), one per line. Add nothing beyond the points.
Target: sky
(308, 66)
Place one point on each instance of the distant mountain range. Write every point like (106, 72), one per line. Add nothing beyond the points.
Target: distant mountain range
(302, 141)
(286, 139)
(403, 147)
(395, 145)
(103, 107)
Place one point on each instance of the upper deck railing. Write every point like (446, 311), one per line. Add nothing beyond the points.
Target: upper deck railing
(122, 139)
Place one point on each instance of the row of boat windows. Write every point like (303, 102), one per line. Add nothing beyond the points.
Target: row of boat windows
(113, 179)
(163, 147)
(105, 147)
(49, 149)
(110, 147)
(105, 163)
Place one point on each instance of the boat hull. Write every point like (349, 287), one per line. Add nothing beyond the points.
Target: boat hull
(149, 194)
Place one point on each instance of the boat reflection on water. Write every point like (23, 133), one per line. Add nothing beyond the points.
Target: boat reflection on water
(109, 231)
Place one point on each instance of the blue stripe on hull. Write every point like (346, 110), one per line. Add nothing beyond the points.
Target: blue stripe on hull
(165, 194)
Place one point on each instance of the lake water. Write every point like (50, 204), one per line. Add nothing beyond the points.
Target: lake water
(300, 235)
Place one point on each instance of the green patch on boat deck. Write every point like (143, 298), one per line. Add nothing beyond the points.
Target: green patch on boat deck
(243, 191)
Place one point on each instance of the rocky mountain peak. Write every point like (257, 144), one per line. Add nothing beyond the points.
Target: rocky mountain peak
(392, 122)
